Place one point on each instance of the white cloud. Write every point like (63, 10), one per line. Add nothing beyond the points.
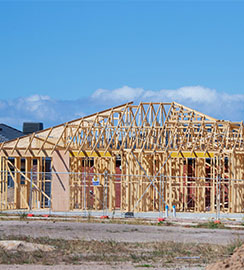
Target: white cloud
(217, 104)
(51, 112)
(125, 93)
(39, 109)
(2, 105)
(36, 98)
(122, 94)
(194, 93)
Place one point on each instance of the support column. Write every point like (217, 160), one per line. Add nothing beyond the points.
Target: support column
(17, 192)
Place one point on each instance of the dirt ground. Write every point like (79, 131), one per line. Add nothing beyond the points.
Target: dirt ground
(143, 240)
(118, 232)
(235, 262)
(90, 266)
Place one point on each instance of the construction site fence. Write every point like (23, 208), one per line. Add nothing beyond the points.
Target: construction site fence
(123, 192)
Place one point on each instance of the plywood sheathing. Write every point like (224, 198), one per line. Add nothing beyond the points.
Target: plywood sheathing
(60, 182)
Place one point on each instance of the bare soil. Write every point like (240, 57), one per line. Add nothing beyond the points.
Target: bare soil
(118, 232)
(92, 266)
(79, 245)
(235, 262)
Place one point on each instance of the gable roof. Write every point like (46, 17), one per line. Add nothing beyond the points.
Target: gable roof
(9, 133)
(149, 126)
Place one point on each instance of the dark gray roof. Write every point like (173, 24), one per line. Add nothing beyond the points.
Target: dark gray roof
(8, 133)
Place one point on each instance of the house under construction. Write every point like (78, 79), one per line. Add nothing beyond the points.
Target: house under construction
(129, 158)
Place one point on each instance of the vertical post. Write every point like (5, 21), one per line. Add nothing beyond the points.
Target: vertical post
(30, 195)
(105, 193)
(174, 211)
(218, 198)
(219, 178)
(166, 211)
(160, 203)
(170, 184)
(1, 179)
(4, 187)
(162, 195)
(106, 202)
(84, 192)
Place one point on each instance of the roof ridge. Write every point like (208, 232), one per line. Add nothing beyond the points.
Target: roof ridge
(10, 127)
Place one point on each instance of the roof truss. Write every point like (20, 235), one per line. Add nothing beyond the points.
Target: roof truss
(144, 127)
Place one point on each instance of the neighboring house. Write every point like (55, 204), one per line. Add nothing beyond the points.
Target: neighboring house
(8, 133)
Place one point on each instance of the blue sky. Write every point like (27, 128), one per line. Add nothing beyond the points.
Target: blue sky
(56, 55)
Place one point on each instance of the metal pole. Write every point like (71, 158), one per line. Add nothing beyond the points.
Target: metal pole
(160, 206)
(105, 193)
(174, 211)
(162, 197)
(166, 211)
(50, 201)
(106, 173)
(84, 192)
(30, 197)
(219, 197)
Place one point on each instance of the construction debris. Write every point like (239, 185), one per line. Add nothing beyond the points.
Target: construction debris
(12, 245)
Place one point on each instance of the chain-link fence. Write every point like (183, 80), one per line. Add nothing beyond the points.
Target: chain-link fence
(123, 192)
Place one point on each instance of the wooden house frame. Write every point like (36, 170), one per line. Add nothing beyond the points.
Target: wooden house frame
(145, 156)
